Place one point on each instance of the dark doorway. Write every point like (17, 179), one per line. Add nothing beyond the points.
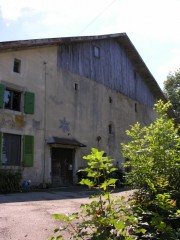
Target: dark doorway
(62, 166)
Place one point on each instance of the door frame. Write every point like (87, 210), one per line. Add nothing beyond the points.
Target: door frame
(57, 146)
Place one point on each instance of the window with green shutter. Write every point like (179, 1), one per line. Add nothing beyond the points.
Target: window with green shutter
(28, 151)
(29, 100)
(2, 89)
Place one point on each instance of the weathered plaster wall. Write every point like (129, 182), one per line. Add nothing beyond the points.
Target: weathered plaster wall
(88, 113)
(62, 111)
(31, 78)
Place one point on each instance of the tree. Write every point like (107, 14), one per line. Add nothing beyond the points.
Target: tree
(172, 90)
(154, 158)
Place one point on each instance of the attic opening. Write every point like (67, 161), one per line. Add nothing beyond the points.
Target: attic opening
(135, 107)
(17, 65)
(96, 51)
(110, 128)
(76, 86)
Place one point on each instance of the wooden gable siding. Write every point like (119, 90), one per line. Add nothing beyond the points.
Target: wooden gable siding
(113, 69)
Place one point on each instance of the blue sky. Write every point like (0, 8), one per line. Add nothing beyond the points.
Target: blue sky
(152, 25)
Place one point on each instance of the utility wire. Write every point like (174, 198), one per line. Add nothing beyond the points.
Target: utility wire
(104, 9)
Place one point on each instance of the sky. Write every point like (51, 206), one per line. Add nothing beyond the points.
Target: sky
(152, 25)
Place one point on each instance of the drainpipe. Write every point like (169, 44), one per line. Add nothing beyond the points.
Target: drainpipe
(44, 160)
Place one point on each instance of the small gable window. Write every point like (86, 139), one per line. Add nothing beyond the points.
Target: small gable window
(17, 65)
(96, 52)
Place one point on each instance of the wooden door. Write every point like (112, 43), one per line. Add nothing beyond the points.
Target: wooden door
(62, 166)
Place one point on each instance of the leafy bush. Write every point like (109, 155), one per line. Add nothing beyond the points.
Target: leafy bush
(153, 212)
(154, 158)
(106, 217)
(117, 174)
(10, 181)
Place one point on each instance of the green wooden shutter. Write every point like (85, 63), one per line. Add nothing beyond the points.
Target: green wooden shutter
(0, 148)
(29, 102)
(2, 89)
(28, 151)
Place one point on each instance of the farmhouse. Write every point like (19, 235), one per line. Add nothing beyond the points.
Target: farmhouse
(60, 97)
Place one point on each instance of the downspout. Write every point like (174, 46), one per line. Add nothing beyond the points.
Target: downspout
(44, 137)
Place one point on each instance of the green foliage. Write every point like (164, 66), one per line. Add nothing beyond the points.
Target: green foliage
(98, 170)
(10, 181)
(172, 89)
(153, 212)
(154, 158)
(106, 217)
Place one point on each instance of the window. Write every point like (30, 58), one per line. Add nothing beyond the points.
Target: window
(110, 128)
(135, 107)
(110, 99)
(76, 86)
(11, 149)
(96, 52)
(12, 100)
(17, 65)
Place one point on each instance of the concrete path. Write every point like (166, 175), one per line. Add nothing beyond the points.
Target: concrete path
(27, 216)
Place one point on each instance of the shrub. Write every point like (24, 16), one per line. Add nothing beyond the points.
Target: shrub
(154, 158)
(10, 181)
(106, 217)
(153, 212)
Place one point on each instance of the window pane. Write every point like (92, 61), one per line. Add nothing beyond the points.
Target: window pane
(17, 65)
(11, 149)
(7, 99)
(97, 52)
(16, 101)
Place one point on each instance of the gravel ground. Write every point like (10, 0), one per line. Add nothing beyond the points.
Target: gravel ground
(27, 216)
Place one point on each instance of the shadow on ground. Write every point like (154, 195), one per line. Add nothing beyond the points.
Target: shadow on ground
(51, 194)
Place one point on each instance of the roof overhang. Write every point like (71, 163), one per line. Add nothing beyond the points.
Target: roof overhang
(64, 141)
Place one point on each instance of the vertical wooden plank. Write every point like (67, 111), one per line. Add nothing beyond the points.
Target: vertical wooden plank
(114, 69)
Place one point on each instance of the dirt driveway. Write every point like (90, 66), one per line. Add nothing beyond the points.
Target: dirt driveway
(27, 216)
